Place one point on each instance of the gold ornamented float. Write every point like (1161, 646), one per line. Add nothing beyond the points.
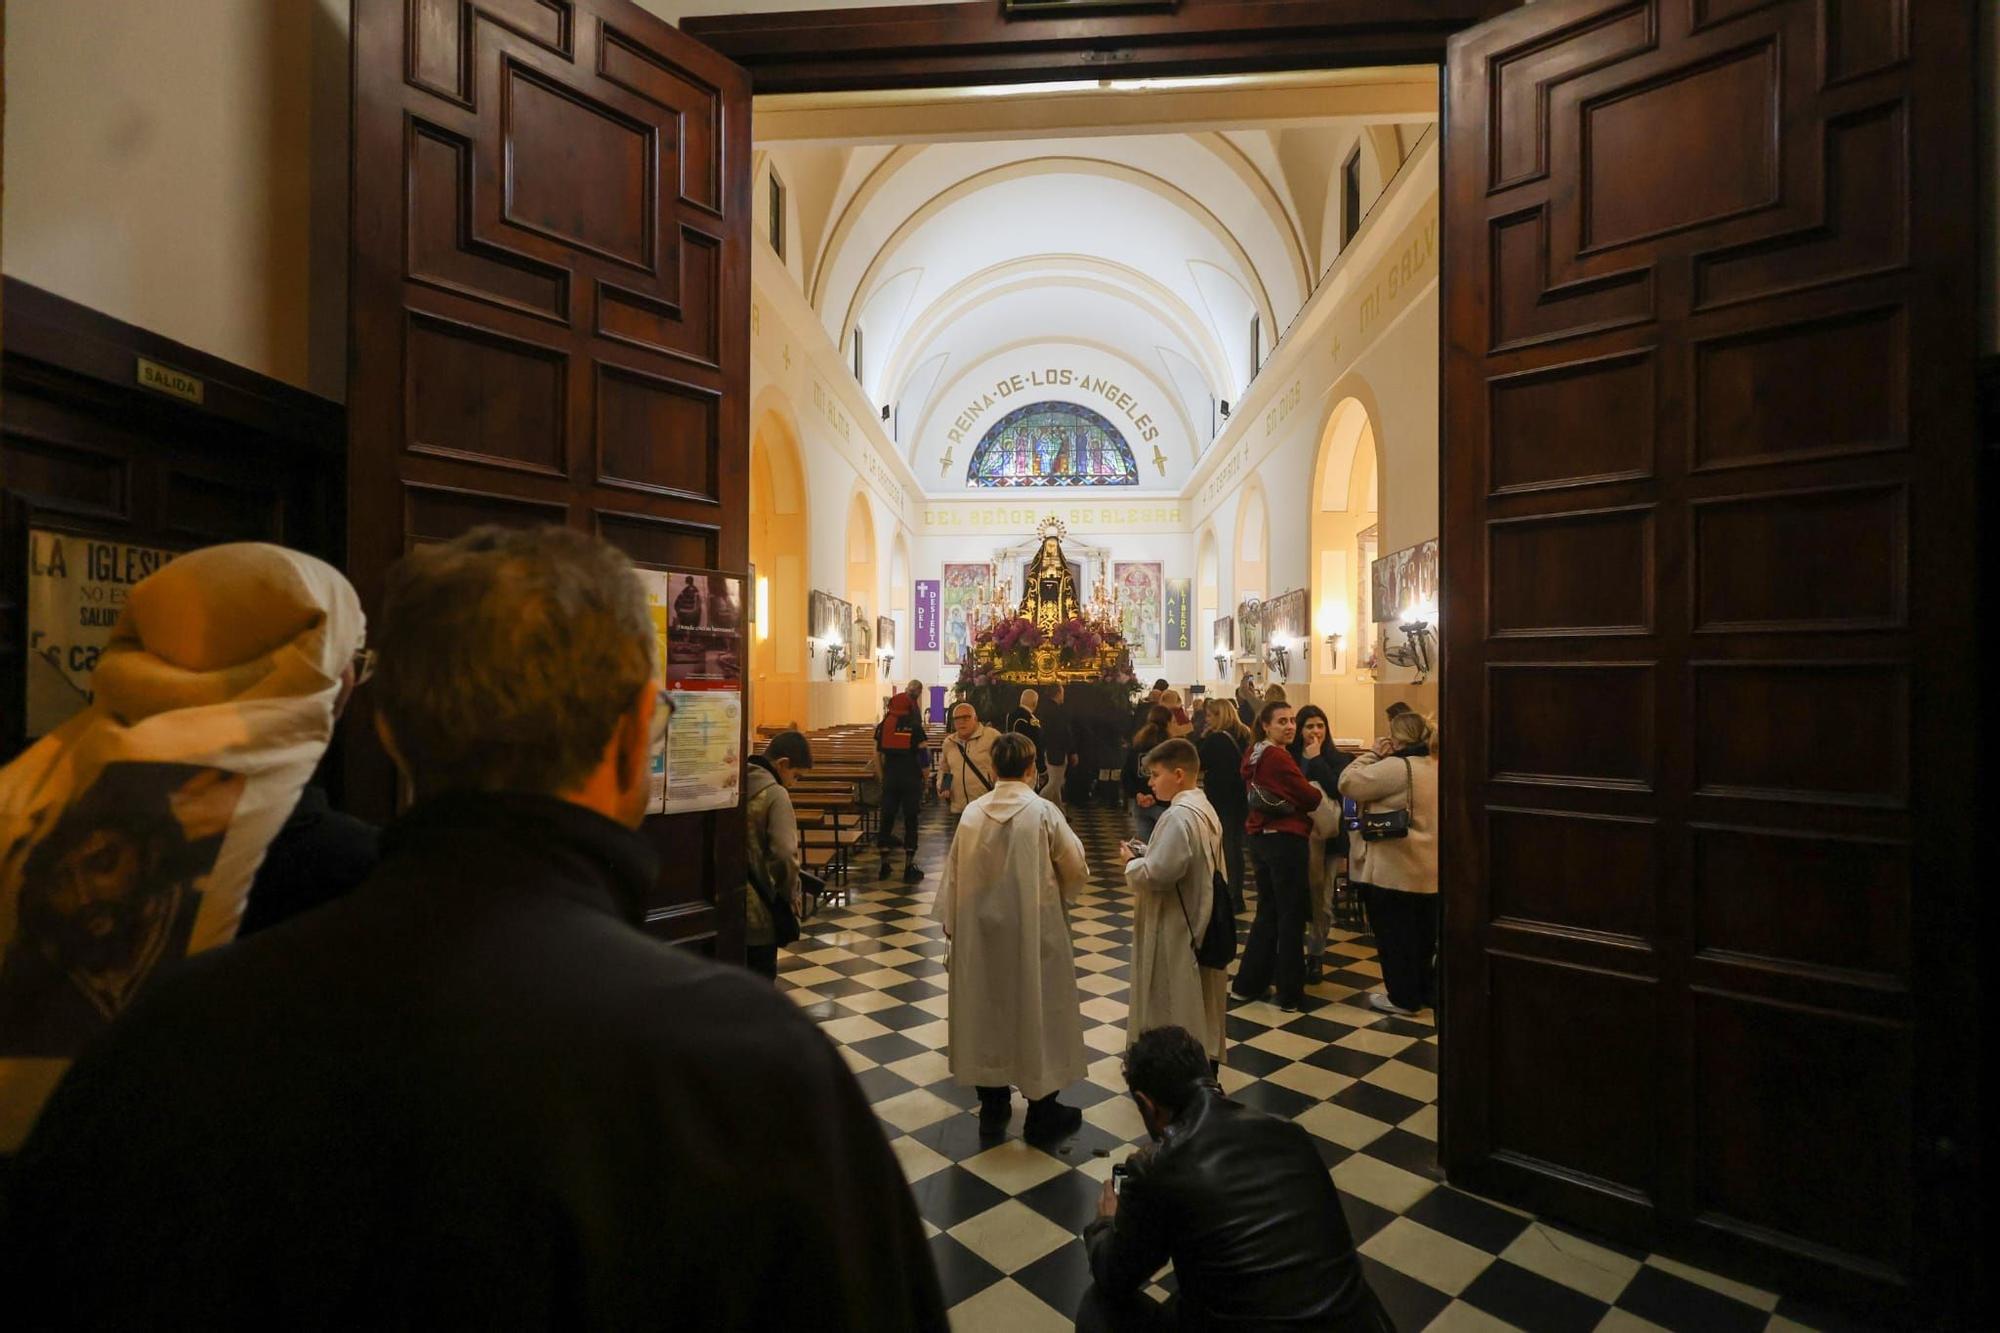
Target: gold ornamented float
(1051, 635)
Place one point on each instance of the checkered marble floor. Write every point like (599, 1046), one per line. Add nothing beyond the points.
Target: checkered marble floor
(1004, 1218)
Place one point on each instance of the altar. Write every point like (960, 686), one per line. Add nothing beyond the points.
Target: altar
(1051, 635)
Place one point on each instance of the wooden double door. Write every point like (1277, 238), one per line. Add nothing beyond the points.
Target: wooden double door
(1708, 499)
(549, 323)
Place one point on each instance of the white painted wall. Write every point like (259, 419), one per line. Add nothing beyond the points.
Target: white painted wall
(183, 167)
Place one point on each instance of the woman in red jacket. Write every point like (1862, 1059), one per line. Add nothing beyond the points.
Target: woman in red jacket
(1280, 822)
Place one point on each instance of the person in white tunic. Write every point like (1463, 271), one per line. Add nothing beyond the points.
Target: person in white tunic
(1014, 1019)
(1172, 880)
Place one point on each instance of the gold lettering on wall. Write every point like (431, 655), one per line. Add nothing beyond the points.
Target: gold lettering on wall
(1022, 387)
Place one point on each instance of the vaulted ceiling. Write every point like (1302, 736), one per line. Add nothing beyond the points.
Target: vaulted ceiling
(1115, 245)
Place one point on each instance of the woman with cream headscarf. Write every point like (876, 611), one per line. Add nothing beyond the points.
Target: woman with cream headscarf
(129, 835)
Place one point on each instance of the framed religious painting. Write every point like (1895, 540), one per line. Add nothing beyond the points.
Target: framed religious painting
(825, 620)
(966, 588)
(1250, 628)
(1139, 587)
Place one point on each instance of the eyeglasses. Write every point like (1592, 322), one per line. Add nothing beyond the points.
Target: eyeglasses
(363, 665)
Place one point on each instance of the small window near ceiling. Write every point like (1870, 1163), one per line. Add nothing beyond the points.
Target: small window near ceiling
(1350, 197)
(777, 215)
(858, 362)
(1256, 345)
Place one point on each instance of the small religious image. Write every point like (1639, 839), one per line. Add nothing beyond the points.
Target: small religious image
(965, 588)
(862, 642)
(1405, 582)
(1250, 628)
(1285, 619)
(702, 639)
(107, 896)
(826, 617)
(1140, 589)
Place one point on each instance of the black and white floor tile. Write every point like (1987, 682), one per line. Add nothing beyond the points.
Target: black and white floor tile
(1004, 1217)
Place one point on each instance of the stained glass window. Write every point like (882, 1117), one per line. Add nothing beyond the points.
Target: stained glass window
(1052, 444)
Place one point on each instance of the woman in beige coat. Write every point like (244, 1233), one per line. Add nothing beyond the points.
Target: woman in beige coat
(1398, 877)
(1172, 880)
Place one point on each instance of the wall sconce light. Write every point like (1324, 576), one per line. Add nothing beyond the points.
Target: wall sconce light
(763, 608)
(837, 657)
(1279, 658)
(1333, 650)
(888, 656)
(1221, 662)
(1419, 647)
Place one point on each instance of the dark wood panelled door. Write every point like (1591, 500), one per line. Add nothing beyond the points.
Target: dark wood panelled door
(550, 312)
(1708, 583)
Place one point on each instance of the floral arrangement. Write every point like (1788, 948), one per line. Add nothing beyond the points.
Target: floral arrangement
(1010, 648)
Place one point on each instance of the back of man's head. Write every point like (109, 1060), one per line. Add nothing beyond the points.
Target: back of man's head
(508, 659)
(1029, 698)
(792, 746)
(1013, 755)
(1167, 1064)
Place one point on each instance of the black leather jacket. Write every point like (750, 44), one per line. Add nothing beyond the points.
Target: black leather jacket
(1242, 1204)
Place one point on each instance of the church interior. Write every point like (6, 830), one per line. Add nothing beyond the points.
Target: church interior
(1613, 383)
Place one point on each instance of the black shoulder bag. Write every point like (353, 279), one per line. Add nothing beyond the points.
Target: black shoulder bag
(784, 921)
(1217, 946)
(966, 757)
(1380, 826)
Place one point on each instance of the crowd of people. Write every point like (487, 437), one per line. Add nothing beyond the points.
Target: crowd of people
(440, 1075)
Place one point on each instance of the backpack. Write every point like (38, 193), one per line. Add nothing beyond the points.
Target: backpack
(898, 738)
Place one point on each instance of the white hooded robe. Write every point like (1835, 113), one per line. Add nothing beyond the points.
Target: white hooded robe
(1171, 903)
(1014, 1019)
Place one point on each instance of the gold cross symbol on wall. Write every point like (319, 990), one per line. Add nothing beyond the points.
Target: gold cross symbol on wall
(944, 464)
(1160, 459)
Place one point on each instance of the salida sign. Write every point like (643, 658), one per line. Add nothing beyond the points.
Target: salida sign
(77, 588)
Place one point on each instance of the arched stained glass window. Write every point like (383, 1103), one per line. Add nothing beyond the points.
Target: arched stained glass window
(1052, 444)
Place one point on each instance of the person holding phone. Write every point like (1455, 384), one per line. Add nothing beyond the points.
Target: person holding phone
(1240, 1202)
(1172, 882)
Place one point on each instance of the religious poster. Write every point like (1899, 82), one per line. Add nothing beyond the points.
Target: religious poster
(1285, 619)
(655, 584)
(826, 617)
(927, 617)
(1404, 582)
(885, 636)
(1223, 634)
(966, 587)
(1140, 589)
(1250, 628)
(704, 754)
(76, 589)
(1180, 606)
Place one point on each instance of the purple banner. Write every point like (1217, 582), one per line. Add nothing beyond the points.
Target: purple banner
(927, 616)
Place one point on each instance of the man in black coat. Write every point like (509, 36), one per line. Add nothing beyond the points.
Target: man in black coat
(1238, 1199)
(472, 1093)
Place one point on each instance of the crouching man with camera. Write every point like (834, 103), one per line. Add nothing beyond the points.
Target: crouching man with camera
(1238, 1199)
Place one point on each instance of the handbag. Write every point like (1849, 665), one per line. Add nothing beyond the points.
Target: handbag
(784, 921)
(1264, 802)
(1382, 825)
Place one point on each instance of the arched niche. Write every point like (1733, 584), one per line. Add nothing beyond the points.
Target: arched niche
(1345, 500)
(1252, 550)
(862, 592)
(780, 529)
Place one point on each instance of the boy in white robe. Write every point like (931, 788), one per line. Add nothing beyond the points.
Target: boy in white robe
(1171, 879)
(1014, 1019)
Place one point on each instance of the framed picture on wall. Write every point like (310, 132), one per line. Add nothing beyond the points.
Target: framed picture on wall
(1403, 582)
(1285, 619)
(965, 587)
(825, 618)
(1140, 587)
(1222, 635)
(885, 634)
